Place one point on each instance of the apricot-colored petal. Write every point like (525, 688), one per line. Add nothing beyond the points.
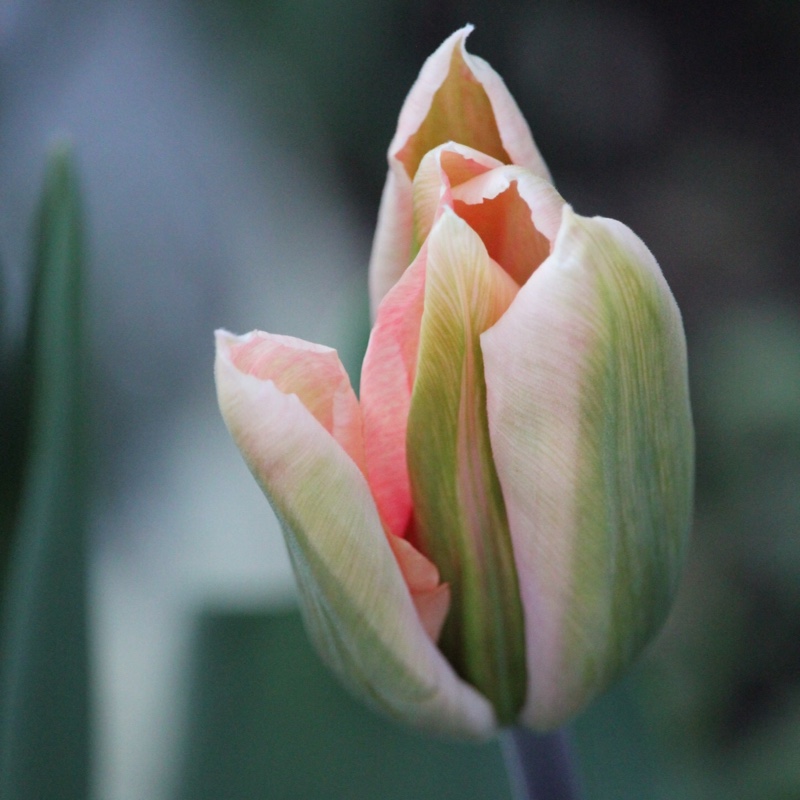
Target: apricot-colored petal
(356, 604)
(431, 597)
(443, 168)
(433, 606)
(516, 214)
(592, 438)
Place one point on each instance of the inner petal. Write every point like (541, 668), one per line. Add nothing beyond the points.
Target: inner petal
(506, 228)
(449, 165)
(387, 379)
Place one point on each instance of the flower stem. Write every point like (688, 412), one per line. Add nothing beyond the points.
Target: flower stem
(540, 766)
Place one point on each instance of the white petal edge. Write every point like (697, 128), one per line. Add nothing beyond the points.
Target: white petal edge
(535, 359)
(356, 605)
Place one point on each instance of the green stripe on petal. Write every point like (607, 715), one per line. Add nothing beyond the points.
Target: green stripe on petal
(460, 516)
(591, 429)
(356, 605)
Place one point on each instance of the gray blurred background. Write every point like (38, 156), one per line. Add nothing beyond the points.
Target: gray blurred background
(232, 156)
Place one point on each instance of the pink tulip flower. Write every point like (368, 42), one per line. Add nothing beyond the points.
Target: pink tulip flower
(494, 530)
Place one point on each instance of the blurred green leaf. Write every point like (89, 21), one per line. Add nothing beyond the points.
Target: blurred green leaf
(14, 395)
(44, 750)
(267, 721)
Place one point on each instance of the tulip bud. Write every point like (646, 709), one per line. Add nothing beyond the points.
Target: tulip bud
(494, 530)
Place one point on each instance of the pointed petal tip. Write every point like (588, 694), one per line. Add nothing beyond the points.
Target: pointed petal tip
(222, 339)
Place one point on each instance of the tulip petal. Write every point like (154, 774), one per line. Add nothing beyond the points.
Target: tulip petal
(355, 603)
(387, 379)
(456, 97)
(516, 214)
(459, 97)
(592, 436)
(314, 373)
(459, 516)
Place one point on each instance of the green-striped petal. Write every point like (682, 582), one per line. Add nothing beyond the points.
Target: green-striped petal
(458, 506)
(357, 607)
(592, 437)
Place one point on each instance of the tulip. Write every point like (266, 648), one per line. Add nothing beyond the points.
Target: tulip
(494, 530)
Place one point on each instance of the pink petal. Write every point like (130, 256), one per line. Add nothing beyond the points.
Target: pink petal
(387, 379)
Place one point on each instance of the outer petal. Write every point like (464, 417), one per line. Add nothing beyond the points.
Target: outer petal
(456, 97)
(592, 436)
(356, 605)
(314, 373)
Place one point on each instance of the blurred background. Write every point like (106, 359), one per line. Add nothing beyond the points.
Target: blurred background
(231, 156)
